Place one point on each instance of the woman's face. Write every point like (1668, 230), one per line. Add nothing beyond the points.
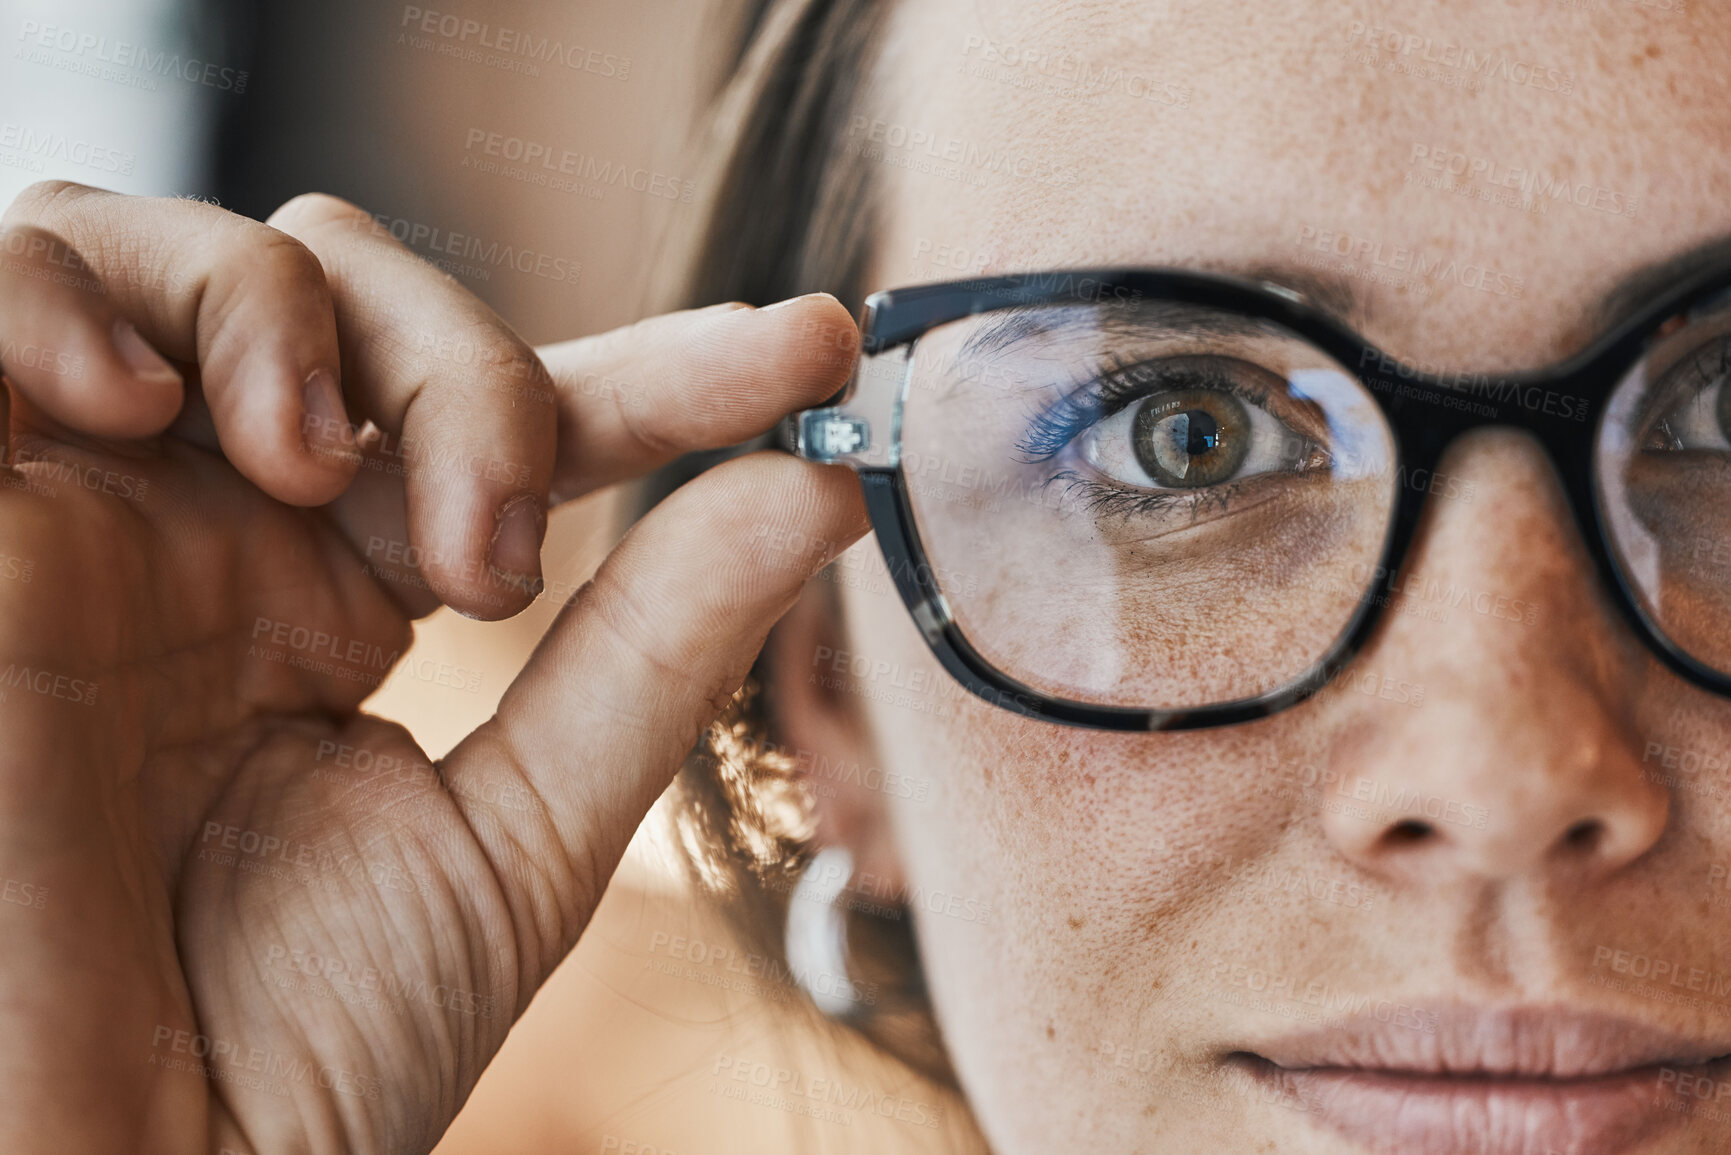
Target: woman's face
(1127, 936)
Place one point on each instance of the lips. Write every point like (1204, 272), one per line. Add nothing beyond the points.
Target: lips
(1520, 1081)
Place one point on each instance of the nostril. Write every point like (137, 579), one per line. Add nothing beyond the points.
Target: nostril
(1408, 832)
(1584, 835)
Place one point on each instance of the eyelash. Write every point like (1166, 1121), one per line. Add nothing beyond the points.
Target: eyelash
(1113, 500)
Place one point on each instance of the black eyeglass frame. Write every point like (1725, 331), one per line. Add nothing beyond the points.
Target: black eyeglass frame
(1421, 430)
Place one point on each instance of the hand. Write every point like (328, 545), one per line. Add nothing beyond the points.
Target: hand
(221, 932)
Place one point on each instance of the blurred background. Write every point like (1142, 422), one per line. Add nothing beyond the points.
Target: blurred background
(248, 103)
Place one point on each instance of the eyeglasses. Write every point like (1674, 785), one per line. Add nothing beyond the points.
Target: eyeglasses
(1163, 500)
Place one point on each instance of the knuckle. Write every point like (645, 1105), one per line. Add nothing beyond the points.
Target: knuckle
(497, 350)
(261, 260)
(490, 354)
(284, 258)
(45, 201)
(312, 211)
(642, 430)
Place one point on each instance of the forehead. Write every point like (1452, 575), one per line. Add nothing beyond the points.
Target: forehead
(1468, 180)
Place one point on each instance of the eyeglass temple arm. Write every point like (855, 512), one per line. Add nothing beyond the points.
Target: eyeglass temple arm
(862, 426)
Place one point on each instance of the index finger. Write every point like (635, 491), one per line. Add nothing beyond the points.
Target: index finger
(638, 397)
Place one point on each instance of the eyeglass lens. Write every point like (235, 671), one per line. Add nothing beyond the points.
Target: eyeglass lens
(1663, 460)
(1163, 506)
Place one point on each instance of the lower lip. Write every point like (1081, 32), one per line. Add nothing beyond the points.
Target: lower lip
(1438, 1115)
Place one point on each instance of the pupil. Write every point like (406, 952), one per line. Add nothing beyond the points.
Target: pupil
(1202, 433)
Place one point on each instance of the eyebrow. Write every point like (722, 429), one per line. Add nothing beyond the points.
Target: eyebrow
(1005, 327)
(1340, 298)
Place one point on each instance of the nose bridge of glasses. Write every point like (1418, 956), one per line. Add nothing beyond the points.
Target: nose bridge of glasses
(1427, 409)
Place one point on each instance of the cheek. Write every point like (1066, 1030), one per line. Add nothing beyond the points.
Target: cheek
(1048, 815)
(1059, 878)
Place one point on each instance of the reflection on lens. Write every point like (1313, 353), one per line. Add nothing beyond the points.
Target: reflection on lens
(1191, 438)
(1664, 468)
(1144, 504)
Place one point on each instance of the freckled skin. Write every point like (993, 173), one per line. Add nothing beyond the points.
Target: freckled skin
(1126, 874)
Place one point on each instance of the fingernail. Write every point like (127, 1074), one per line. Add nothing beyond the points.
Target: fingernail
(793, 301)
(324, 422)
(146, 363)
(515, 554)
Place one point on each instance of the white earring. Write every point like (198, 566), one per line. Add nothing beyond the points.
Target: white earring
(817, 933)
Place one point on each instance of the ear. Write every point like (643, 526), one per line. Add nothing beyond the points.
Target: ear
(819, 717)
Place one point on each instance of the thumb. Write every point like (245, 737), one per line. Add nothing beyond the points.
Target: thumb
(631, 674)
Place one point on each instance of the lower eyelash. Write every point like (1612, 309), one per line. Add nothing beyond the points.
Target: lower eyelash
(1115, 501)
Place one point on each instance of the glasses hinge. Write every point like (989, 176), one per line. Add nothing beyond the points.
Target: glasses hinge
(827, 435)
(931, 616)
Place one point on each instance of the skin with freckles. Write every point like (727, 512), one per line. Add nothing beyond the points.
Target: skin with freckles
(1159, 903)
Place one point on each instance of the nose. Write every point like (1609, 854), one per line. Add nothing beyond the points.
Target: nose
(1523, 754)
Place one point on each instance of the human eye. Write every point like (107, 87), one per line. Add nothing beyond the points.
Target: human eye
(1690, 407)
(1181, 432)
